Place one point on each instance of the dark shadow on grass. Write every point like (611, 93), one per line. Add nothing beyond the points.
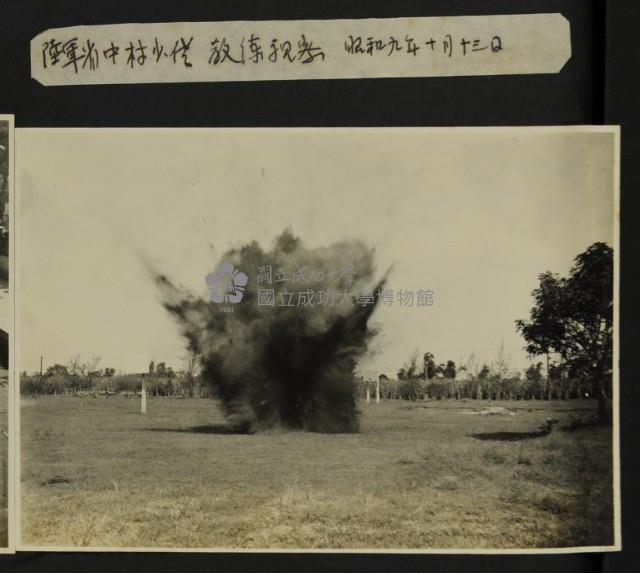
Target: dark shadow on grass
(508, 436)
(229, 430)
(203, 429)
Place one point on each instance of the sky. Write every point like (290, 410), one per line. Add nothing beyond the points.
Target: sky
(474, 215)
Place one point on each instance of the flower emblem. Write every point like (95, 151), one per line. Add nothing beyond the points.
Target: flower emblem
(226, 284)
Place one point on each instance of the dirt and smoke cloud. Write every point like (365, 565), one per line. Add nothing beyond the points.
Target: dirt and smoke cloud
(280, 336)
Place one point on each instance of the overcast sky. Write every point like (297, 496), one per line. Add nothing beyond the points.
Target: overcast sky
(473, 215)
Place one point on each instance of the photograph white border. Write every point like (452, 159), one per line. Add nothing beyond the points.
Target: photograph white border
(15, 516)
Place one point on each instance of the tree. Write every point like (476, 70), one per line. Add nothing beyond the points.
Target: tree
(556, 371)
(78, 367)
(481, 379)
(450, 370)
(410, 369)
(500, 374)
(412, 389)
(534, 373)
(190, 368)
(56, 369)
(429, 366)
(545, 328)
(573, 317)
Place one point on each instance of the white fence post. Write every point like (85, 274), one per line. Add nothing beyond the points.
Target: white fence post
(143, 399)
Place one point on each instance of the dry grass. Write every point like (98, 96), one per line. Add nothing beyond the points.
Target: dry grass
(104, 475)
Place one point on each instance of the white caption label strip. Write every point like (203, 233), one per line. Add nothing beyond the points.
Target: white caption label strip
(301, 49)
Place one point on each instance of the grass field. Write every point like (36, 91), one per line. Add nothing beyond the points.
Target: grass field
(101, 474)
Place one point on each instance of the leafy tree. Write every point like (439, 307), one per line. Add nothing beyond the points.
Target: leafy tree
(411, 389)
(189, 374)
(573, 317)
(556, 371)
(56, 370)
(534, 373)
(545, 328)
(410, 369)
(450, 370)
(534, 380)
(429, 366)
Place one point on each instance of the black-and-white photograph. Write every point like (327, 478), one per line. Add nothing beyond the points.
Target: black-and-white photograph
(333, 339)
(6, 158)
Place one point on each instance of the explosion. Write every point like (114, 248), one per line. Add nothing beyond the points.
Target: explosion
(277, 360)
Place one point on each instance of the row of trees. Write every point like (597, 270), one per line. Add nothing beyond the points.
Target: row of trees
(570, 326)
(571, 321)
(84, 377)
(429, 370)
(129, 385)
(487, 384)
